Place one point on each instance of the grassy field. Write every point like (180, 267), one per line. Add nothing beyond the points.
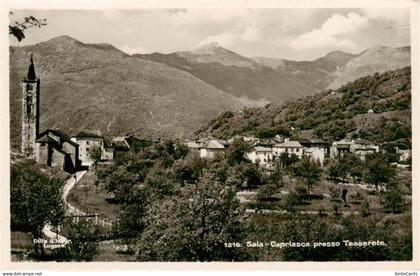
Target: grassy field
(93, 199)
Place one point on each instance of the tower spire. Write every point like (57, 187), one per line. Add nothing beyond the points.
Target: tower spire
(31, 70)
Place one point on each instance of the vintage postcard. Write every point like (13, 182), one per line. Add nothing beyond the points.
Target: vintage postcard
(211, 134)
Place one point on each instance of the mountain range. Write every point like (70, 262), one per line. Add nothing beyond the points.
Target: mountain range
(277, 80)
(99, 88)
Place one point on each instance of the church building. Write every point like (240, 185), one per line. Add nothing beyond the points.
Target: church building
(51, 147)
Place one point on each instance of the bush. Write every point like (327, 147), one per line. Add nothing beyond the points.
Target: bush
(393, 200)
(266, 192)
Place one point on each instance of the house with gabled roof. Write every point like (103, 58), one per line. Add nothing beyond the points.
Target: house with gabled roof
(87, 142)
(339, 148)
(211, 148)
(289, 147)
(261, 155)
(362, 147)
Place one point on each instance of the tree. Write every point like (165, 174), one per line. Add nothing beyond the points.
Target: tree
(308, 171)
(95, 153)
(160, 183)
(287, 160)
(120, 182)
(35, 199)
(237, 150)
(393, 199)
(189, 169)
(84, 243)
(131, 221)
(192, 226)
(378, 170)
(276, 177)
(338, 169)
(17, 28)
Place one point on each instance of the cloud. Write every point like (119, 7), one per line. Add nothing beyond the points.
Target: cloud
(203, 16)
(250, 34)
(133, 50)
(332, 32)
(395, 15)
(224, 39)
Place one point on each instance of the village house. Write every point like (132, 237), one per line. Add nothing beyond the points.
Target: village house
(362, 148)
(107, 150)
(315, 154)
(315, 144)
(339, 148)
(56, 149)
(211, 148)
(316, 149)
(261, 155)
(359, 147)
(289, 147)
(87, 143)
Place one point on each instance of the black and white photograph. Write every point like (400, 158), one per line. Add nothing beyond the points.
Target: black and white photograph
(211, 134)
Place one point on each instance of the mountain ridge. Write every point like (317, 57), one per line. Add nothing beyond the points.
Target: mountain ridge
(288, 79)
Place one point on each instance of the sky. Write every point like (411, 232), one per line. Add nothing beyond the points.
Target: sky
(295, 34)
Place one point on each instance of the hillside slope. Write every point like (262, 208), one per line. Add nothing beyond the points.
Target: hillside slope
(98, 87)
(317, 73)
(331, 115)
(377, 59)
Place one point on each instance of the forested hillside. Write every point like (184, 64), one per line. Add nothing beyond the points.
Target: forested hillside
(377, 108)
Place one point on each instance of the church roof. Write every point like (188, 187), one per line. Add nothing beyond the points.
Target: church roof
(31, 71)
(62, 136)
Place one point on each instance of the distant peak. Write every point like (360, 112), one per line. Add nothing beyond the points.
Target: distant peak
(64, 38)
(211, 44)
(336, 56)
(209, 48)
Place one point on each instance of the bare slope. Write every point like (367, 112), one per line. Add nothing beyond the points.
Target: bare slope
(377, 59)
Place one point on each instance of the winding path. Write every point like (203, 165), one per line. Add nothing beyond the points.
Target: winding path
(58, 239)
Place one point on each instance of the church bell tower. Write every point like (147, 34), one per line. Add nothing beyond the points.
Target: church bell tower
(30, 111)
